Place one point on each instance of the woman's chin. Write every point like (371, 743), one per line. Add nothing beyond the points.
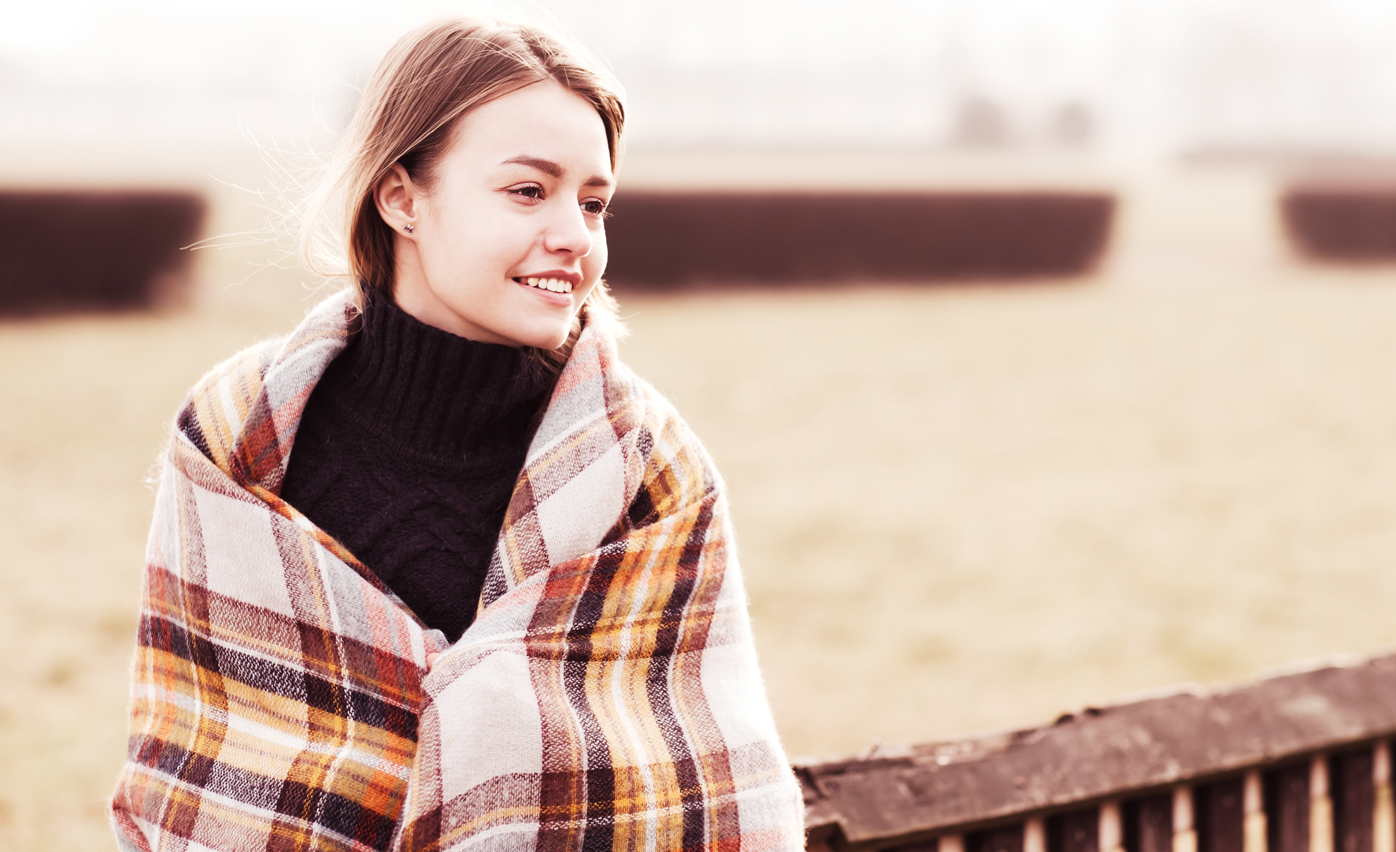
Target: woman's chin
(551, 342)
(541, 338)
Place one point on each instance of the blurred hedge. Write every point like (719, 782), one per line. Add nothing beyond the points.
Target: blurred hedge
(71, 250)
(668, 238)
(1342, 222)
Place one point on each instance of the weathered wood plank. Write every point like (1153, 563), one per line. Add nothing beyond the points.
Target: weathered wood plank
(1102, 753)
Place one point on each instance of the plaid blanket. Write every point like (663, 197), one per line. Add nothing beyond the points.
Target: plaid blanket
(606, 697)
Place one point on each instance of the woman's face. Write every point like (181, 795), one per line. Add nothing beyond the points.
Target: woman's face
(510, 240)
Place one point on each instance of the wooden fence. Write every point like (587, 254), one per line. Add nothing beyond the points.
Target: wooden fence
(1295, 763)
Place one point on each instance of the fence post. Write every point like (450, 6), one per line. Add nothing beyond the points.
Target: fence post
(1184, 833)
(1255, 830)
(1320, 806)
(1112, 829)
(1384, 815)
(1035, 835)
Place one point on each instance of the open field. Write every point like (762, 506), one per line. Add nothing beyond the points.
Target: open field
(959, 507)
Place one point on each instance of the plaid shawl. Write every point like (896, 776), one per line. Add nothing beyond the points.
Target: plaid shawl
(606, 697)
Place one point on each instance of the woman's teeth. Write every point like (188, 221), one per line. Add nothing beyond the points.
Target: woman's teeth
(557, 285)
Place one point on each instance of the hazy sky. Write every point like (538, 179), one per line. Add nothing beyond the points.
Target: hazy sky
(1150, 74)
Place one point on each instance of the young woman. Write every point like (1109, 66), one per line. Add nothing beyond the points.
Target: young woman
(436, 571)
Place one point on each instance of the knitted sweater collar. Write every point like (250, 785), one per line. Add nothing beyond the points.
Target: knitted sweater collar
(429, 391)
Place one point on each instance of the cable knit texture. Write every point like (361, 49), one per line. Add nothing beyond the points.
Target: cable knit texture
(408, 451)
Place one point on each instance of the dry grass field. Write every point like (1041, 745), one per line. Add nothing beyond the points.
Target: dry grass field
(959, 508)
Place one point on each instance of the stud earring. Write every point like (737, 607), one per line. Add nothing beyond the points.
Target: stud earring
(407, 228)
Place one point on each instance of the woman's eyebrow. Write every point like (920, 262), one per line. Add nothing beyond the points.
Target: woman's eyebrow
(547, 167)
(553, 170)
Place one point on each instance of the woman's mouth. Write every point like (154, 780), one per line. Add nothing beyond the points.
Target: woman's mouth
(556, 285)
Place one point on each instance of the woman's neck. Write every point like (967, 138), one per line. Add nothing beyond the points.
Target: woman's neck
(425, 389)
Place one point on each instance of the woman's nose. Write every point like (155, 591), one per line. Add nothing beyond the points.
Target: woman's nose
(568, 232)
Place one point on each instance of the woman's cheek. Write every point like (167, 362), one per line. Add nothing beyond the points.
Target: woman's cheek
(595, 262)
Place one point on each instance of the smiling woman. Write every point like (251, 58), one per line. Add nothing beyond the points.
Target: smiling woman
(436, 571)
(519, 198)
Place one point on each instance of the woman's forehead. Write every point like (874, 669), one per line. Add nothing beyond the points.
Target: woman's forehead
(539, 124)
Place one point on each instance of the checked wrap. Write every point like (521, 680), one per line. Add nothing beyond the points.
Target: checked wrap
(606, 697)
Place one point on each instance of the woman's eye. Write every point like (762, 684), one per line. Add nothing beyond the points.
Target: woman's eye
(595, 207)
(532, 191)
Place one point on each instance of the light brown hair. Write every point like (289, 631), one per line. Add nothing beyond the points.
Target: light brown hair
(407, 114)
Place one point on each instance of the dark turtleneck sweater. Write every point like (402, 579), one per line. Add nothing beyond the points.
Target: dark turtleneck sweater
(408, 451)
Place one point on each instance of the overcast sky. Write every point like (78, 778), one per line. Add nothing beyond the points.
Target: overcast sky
(1154, 75)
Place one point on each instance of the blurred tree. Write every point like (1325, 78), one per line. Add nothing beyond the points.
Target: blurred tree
(981, 123)
(1072, 125)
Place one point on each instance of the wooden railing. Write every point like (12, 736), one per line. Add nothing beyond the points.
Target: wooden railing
(1295, 763)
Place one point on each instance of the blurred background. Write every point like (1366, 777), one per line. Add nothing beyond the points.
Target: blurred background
(1089, 392)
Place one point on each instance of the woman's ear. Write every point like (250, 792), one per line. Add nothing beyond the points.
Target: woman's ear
(396, 198)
